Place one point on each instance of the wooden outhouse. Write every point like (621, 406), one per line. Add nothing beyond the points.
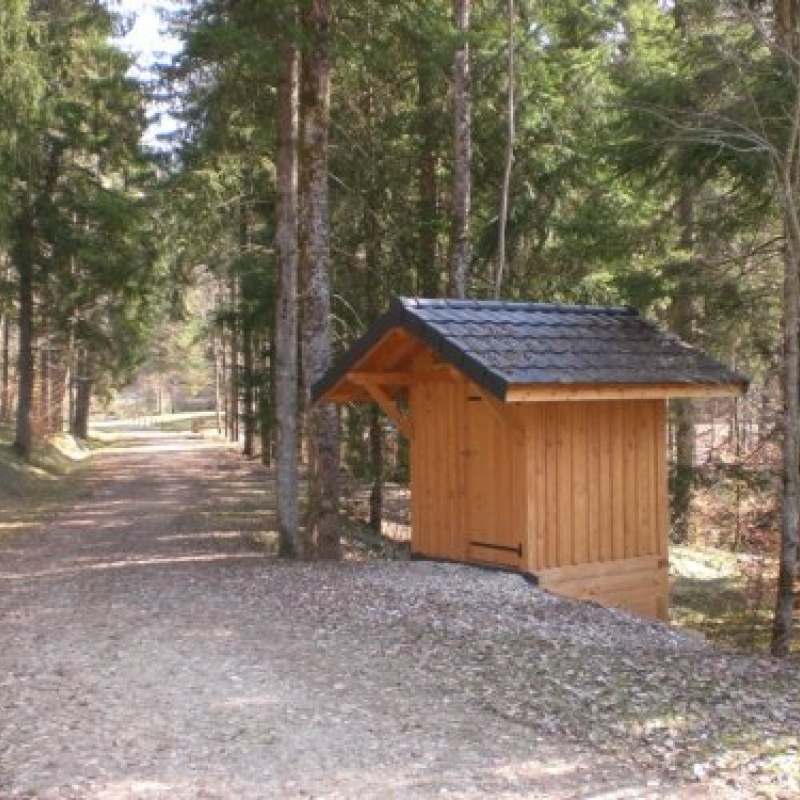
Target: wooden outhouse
(537, 436)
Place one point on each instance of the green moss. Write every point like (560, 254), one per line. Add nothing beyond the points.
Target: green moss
(726, 596)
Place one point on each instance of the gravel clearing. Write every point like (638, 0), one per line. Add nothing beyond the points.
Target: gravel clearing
(150, 649)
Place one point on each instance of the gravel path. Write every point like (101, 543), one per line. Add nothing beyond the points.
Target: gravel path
(148, 649)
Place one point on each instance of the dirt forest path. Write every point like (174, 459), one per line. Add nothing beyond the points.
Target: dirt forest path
(149, 649)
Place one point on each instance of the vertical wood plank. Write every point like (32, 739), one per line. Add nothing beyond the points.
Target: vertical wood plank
(415, 406)
(552, 527)
(563, 525)
(459, 485)
(580, 488)
(644, 476)
(453, 488)
(605, 485)
(420, 475)
(537, 485)
(437, 466)
(446, 447)
(631, 499)
(446, 444)
(540, 473)
(617, 421)
(461, 466)
(479, 460)
(504, 494)
(595, 422)
(661, 481)
(524, 495)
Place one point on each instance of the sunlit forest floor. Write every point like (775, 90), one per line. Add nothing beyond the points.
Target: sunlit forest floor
(151, 646)
(723, 582)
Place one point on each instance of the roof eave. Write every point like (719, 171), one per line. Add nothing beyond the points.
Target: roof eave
(331, 380)
(544, 392)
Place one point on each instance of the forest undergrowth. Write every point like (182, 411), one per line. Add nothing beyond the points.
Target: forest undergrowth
(32, 491)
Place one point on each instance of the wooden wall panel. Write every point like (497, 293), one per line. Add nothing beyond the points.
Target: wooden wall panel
(616, 424)
(645, 476)
(596, 481)
(661, 489)
(605, 512)
(433, 466)
(456, 490)
(536, 455)
(496, 504)
(584, 486)
(468, 475)
(420, 401)
(566, 534)
(449, 422)
(630, 489)
(579, 493)
(550, 420)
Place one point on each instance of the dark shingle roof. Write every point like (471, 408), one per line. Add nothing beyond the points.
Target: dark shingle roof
(501, 344)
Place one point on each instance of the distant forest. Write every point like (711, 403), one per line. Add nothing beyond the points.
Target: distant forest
(330, 155)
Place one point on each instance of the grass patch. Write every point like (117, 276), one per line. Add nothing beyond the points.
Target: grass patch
(726, 596)
(30, 491)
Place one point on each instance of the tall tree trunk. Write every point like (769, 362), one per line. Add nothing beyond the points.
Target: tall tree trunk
(266, 402)
(248, 387)
(502, 222)
(786, 18)
(376, 460)
(372, 290)
(83, 381)
(428, 267)
(286, 378)
(233, 363)
(322, 420)
(5, 368)
(247, 380)
(23, 255)
(790, 505)
(44, 386)
(83, 397)
(462, 155)
(225, 381)
(71, 384)
(682, 323)
(216, 347)
(60, 384)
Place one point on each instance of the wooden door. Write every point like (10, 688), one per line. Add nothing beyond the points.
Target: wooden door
(491, 514)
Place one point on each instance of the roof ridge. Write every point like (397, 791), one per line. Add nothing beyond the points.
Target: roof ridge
(412, 303)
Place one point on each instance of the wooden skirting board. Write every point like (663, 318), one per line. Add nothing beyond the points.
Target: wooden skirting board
(640, 584)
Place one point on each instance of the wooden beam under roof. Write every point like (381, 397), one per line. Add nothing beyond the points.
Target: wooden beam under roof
(381, 378)
(379, 395)
(533, 393)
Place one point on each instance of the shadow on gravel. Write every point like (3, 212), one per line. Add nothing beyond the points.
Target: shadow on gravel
(154, 500)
